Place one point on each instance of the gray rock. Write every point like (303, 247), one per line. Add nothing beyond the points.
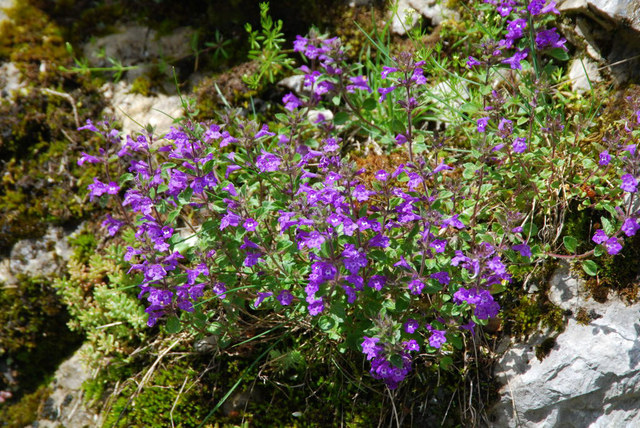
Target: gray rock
(37, 257)
(591, 377)
(583, 73)
(65, 406)
(608, 29)
(408, 12)
(136, 45)
(5, 4)
(10, 81)
(134, 109)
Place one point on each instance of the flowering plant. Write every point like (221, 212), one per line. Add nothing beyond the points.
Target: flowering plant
(397, 261)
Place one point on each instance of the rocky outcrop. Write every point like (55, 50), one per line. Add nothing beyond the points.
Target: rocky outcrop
(134, 110)
(608, 30)
(409, 11)
(590, 377)
(65, 406)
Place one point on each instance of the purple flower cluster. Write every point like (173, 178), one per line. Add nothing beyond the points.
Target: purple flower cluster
(381, 367)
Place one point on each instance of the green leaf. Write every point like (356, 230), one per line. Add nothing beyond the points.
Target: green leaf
(326, 323)
(607, 226)
(570, 243)
(559, 54)
(340, 118)
(369, 104)
(173, 325)
(396, 360)
(590, 267)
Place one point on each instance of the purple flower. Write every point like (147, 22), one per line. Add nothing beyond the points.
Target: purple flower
(261, 297)
(442, 277)
(515, 28)
(384, 92)
(411, 345)
(519, 145)
(252, 259)
(437, 338)
(485, 306)
(89, 126)
(268, 162)
(629, 183)
(285, 297)
(358, 82)
(605, 158)
(382, 175)
(514, 61)
(453, 221)
(472, 62)
(411, 326)
(370, 347)
(353, 259)
(113, 225)
(523, 249)
(230, 219)
(599, 237)
(263, 132)
(316, 307)
(438, 245)
(87, 158)
(613, 246)
(220, 289)
(386, 70)
(415, 286)
(291, 102)
(630, 226)
(250, 224)
(361, 193)
(377, 282)
(401, 139)
(549, 39)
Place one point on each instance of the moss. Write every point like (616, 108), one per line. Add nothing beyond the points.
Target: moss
(23, 412)
(33, 335)
(545, 348)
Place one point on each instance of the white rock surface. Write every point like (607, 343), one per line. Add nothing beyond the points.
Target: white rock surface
(4, 4)
(65, 406)
(135, 45)
(583, 73)
(10, 81)
(133, 109)
(37, 257)
(591, 377)
(409, 11)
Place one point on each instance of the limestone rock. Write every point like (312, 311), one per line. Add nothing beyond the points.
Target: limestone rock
(136, 45)
(65, 406)
(409, 11)
(610, 29)
(583, 73)
(10, 81)
(37, 257)
(590, 378)
(130, 108)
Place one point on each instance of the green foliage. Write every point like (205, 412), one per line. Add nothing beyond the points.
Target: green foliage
(24, 412)
(266, 48)
(101, 299)
(34, 337)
